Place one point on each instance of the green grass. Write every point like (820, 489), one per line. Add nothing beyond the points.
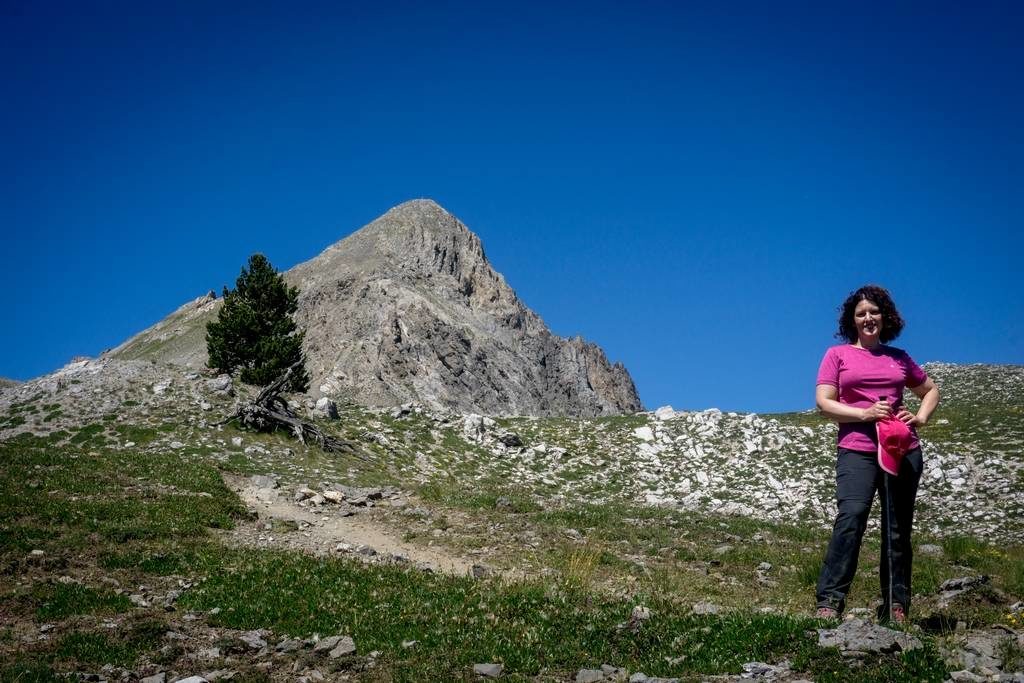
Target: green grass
(529, 627)
(120, 495)
(85, 649)
(161, 558)
(27, 669)
(1012, 654)
(147, 513)
(488, 496)
(58, 601)
(138, 434)
(966, 551)
(96, 649)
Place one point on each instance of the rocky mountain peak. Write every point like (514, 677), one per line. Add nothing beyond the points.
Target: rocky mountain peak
(417, 237)
(423, 237)
(408, 308)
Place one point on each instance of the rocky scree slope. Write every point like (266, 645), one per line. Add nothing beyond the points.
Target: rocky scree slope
(408, 309)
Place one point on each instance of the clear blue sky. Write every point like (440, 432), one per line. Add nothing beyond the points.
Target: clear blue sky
(695, 187)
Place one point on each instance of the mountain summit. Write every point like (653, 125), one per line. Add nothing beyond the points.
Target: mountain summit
(409, 309)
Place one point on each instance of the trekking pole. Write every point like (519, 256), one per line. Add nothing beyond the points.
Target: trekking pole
(888, 522)
(888, 536)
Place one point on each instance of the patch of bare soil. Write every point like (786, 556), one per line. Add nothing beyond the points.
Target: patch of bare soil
(282, 523)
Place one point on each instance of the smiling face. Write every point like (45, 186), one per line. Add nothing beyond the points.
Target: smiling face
(867, 318)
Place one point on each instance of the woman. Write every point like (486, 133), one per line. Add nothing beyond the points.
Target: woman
(859, 384)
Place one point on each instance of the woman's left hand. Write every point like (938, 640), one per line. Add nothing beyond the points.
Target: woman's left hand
(909, 419)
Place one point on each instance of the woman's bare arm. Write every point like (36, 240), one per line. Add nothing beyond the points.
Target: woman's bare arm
(826, 396)
(929, 395)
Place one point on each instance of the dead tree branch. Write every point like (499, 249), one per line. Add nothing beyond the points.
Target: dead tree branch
(269, 411)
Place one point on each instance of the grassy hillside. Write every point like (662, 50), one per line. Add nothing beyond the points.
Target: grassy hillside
(179, 338)
(122, 545)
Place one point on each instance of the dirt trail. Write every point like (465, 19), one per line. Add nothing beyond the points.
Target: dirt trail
(327, 530)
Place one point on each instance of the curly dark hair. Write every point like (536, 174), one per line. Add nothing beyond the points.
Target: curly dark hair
(892, 322)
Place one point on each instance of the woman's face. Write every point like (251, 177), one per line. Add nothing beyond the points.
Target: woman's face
(867, 318)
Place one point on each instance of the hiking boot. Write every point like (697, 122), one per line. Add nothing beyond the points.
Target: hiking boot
(826, 613)
(895, 616)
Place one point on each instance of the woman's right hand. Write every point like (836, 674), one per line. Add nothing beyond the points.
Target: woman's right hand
(877, 411)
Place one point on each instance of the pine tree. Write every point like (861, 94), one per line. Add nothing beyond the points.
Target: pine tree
(254, 329)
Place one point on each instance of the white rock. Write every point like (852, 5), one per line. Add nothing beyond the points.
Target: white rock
(487, 670)
(327, 408)
(644, 433)
(665, 413)
(345, 646)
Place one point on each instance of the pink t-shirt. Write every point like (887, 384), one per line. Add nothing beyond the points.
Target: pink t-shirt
(864, 376)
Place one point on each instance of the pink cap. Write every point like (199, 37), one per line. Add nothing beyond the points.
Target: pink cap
(894, 439)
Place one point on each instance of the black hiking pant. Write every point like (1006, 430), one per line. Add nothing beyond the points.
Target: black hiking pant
(858, 476)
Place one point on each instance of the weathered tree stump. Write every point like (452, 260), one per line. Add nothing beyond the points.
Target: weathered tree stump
(269, 412)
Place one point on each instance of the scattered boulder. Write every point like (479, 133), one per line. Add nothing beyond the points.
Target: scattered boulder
(327, 408)
(665, 413)
(952, 588)
(613, 673)
(288, 645)
(857, 637)
(982, 653)
(487, 670)
(401, 411)
(326, 644)
(474, 426)
(510, 439)
(253, 640)
(760, 670)
(335, 646)
(706, 608)
(345, 646)
(220, 384)
(361, 497)
(333, 496)
(303, 493)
